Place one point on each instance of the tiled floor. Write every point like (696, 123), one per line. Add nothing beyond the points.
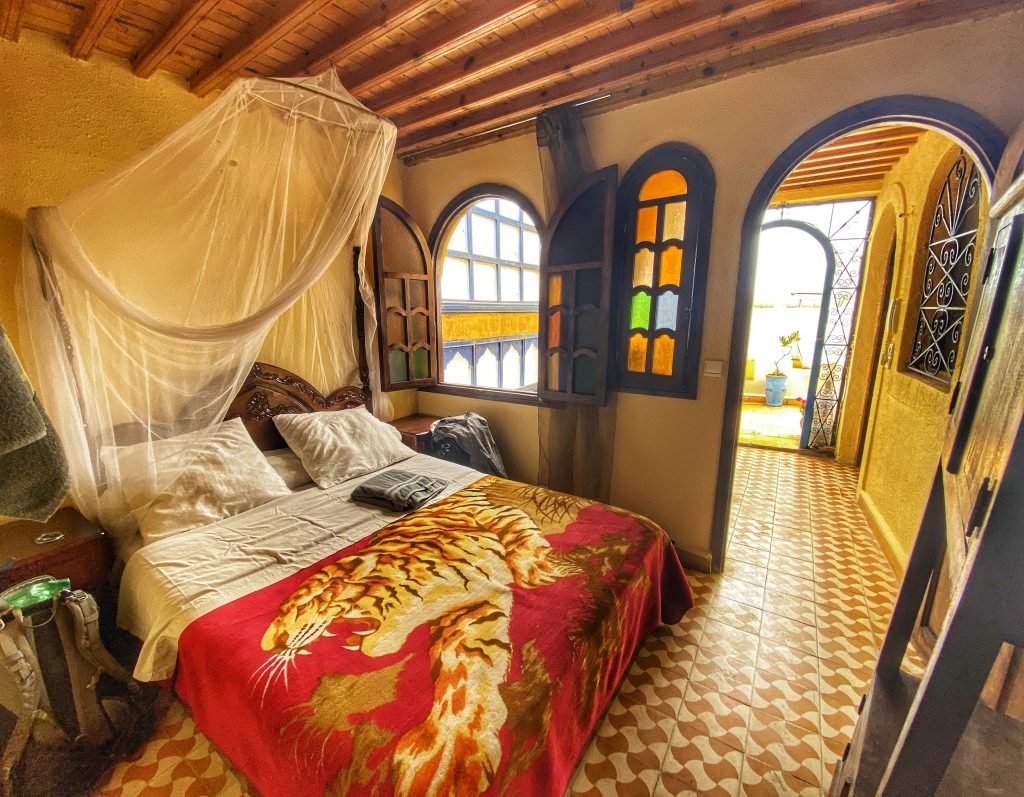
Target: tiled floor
(753, 693)
(778, 427)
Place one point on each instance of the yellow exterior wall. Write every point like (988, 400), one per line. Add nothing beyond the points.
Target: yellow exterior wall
(666, 450)
(478, 326)
(909, 413)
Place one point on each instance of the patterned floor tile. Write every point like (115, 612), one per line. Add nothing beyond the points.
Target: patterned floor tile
(749, 554)
(710, 713)
(744, 571)
(760, 779)
(793, 700)
(738, 615)
(740, 591)
(784, 746)
(791, 606)
(700, 765)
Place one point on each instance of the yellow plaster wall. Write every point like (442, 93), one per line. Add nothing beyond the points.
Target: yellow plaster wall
(666, 450)
(908, 417)
(476, 326)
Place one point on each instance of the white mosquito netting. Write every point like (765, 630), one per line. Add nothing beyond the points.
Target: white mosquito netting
(147, 296)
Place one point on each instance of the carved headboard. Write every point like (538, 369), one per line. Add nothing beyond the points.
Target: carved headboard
(270, 391)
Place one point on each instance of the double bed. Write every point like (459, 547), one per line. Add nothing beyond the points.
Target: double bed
(331, 647)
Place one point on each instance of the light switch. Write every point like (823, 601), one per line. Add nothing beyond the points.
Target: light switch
(713, 367)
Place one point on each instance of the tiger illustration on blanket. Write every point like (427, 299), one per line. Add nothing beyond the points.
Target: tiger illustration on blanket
(450, 566)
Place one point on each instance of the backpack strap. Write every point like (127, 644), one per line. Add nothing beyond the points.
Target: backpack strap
(86, 615)
(27, 682)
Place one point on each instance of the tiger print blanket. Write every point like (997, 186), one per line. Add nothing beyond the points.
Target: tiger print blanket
(468, 648)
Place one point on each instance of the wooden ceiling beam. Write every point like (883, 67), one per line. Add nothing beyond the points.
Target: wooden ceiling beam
(677, 68)
(864, 176)
(836, 168)
(391, 17)
(828, 155)
(89, 32)
(170, 38)
(826, 193)
(241, 53)
(11, 14)
(482, 19)
(619, 58)
(586, 21)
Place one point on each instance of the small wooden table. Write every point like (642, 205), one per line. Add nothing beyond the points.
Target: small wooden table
(415, 430)
(82, 554)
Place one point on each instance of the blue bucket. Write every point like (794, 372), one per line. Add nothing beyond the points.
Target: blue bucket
(774, 390)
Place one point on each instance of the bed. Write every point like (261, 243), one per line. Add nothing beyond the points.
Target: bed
(468, 647)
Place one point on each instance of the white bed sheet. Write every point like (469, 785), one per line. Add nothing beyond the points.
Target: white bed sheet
(174, 581)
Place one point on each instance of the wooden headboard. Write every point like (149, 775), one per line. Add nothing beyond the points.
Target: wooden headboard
(270, 391)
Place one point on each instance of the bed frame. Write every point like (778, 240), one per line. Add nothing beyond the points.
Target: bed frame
(269, 391)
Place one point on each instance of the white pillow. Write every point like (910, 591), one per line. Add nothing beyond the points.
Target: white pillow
(193, 479)
(288, 467)
(335, 446)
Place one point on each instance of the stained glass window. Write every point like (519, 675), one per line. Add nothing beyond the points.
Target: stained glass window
(667, 197)
(947, 273)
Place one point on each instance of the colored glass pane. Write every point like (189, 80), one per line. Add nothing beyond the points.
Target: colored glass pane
(643, 268)
(555, 330)
(398, 366)
(665, 318)
(554, 371)
(554, 290)
(584, 375)
(671, 270)
(663, 184)
(420, 364)
(664, 348)
(640, 311)
(647, 225)
(675, 220)
(636, 360)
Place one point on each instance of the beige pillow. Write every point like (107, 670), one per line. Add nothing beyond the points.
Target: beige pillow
(193, 480)
(336, 446)
(288, 467)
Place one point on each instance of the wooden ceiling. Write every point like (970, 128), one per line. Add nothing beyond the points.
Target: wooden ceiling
(448, 70)
(851, 166)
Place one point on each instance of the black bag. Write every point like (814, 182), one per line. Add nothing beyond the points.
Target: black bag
(467, 440)
(68, 709)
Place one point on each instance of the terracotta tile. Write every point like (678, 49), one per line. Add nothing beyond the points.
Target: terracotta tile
(741, 591)
(760, 779)
(789, 632)
(784, 746)
(700, 765)
(748, 554)
(790, 584)
(800, 609)
(793, 700)
(800, 568)
(657, 689)
(708, 712)
(738, 615)
(789, 662)
(744, 571)
(730, 677)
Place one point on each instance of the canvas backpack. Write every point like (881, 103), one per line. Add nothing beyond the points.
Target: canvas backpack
(72, 702)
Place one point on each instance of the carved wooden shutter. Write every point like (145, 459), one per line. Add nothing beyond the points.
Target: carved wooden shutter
(575, 293)
(404, 281)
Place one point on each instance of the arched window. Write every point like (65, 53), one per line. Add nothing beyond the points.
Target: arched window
(487, 246)
(665, 204)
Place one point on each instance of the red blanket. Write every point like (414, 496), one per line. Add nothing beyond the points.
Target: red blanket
(467, 648)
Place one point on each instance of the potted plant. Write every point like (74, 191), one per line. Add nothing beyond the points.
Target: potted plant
(775, 382)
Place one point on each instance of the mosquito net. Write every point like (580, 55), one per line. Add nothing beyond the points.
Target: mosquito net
(148, 296)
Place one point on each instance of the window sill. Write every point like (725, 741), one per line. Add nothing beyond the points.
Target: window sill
(486, 393)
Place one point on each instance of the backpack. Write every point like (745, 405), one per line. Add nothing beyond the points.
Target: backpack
(74, 707)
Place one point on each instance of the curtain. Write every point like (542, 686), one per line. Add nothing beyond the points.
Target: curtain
(576, 441)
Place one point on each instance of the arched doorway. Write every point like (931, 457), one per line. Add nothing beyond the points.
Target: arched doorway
(979, 138)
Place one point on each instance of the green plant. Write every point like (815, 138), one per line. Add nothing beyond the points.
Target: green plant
(786, 343)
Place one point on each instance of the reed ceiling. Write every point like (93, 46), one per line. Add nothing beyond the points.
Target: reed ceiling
(446, 71)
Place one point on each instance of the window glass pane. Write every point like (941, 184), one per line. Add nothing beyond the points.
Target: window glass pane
(664, 347)
(420, 363)
(455, 279)
(485, 282)
(675, 220)
(640, 311)
(398, 366)
(647, 225)
(530, 364)
(511, 363)
(508, 209)
(555, 371)
(459, 241)
(663, 184)
(666, 317)
(486, 204)
(509, 284)
(484, 236)
(643, 268)
(584, 375)
(636, 359)
(458, 370)
(555, 330)
(671, 270)
(554, 290)
(509, 242)
(487, 368)
(531, 248)
(531, 286)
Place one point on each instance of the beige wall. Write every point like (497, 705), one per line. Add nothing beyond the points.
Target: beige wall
(908, 416)
(666, 450)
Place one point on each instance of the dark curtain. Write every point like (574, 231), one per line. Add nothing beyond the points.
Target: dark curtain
(576, 441)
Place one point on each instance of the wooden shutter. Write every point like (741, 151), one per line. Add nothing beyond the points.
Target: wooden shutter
(575, 293)
(404, 282)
